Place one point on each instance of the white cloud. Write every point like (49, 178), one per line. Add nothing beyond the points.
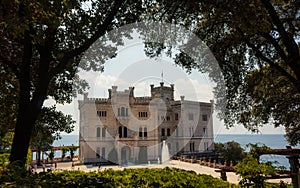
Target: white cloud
(193, 90)
(142, 89)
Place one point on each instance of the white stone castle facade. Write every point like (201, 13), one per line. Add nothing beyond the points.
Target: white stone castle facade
(125, 128)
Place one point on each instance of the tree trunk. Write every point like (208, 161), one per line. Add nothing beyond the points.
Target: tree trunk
(25, 122)
(39, 157)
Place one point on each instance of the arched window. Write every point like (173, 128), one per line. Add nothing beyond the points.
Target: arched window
(98, 132)
(103, 132)
(145, 132)
(122, 111)
(125, 132)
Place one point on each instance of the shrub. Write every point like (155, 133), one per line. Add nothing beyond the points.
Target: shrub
(166, 177)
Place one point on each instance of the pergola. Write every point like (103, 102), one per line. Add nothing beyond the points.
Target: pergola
(54, 148)
(293, 156)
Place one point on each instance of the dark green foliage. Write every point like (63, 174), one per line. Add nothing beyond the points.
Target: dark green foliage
(230, 151)
(254, 171)
(51, 155)
(42, 44)
(256, 45)
(48, 127)
(127, 178)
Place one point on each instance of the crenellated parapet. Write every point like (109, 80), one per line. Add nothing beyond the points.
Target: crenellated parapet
(142, 100)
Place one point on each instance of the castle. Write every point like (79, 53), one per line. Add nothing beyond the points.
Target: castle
(128, 129)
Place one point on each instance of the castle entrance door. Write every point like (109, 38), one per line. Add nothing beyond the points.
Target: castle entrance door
(125, 154)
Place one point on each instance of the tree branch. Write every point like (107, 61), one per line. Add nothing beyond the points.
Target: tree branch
(270, 62)
(276, 45)
(101, 31)
(289, 43)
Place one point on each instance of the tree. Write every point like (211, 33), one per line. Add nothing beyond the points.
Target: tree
(72, 150)
(5, 142)
(8, 99)
(64, 150)
(245, 37)
(48, 128)
(251, 170)
(51, 155)
(274, 100)
(230, 151)
(42, 43)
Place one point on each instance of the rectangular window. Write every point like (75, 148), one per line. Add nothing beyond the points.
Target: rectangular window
(98, 152)
(176, 116)
(140, 132)
(204, 131)
(162, 132)
(191, 116)
(168, 118)
(101, 113)
(168, 132)
(191, 130)
(177, 147)
(204, 117)
(143, 114)
(192, 146)
(205, 145)
(103, 152)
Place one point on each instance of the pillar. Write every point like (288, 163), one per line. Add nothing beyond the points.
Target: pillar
(294, 167)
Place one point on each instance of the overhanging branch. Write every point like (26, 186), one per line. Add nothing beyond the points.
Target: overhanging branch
(289, 43)
(77, 51)
(260, 55)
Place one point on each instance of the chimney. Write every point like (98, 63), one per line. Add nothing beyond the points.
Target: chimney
(114, 88)
(131, 91)
(109, 93)
(182, 98)
(172, 88)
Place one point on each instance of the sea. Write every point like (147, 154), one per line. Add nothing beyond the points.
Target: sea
(274, 141)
